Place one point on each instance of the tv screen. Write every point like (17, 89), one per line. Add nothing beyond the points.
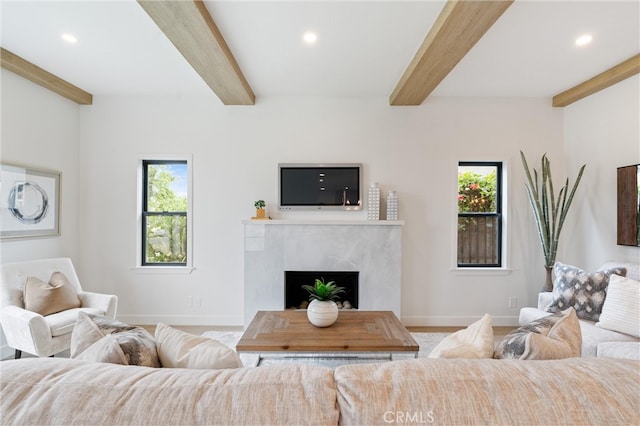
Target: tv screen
(320, 186)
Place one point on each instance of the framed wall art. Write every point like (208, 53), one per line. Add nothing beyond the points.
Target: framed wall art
(29, 202)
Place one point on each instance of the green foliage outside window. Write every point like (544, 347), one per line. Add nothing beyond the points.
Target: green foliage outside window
(161, 197)
(477, 192)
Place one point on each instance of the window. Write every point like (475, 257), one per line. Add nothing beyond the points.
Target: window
(164, 221)
(480, 214)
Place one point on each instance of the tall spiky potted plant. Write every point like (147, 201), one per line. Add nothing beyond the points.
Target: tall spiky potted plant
(549, 210)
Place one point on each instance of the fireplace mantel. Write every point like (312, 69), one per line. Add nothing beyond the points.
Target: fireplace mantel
(338, 222)
(374, 248)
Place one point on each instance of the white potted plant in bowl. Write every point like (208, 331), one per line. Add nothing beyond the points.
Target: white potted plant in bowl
(322, 310)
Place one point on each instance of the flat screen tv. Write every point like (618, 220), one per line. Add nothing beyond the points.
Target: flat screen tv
(320, 186)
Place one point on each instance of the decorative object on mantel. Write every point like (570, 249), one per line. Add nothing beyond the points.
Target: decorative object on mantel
(392, 206)
(260, 211)
(548, 211)
(373, 202)
(323, 310)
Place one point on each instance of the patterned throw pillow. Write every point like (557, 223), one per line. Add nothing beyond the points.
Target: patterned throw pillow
(585, 292)
(555, 336)
(100, 339)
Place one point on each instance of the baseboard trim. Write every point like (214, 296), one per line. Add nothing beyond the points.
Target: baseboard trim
(455, 321)
(213, 320)
(221, 320)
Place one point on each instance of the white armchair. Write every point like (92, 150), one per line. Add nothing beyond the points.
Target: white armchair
(44, 335)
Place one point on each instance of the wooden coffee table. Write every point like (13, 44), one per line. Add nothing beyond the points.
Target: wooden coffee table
(356, 334)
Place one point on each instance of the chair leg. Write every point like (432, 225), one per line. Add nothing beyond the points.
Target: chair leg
(18, 354)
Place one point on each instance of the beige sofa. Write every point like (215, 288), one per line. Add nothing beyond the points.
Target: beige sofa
(580, 391)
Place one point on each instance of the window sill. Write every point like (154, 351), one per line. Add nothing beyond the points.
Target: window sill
(482, 271)
(164, 269)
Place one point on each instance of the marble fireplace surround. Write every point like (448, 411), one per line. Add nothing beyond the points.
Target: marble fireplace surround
(271, 247)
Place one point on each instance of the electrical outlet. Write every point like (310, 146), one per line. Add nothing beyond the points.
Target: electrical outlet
(513, 302)
(197, 302)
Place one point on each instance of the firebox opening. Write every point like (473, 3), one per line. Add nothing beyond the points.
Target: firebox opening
(296, 297)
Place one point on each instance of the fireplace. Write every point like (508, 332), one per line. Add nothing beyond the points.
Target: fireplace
(373, 248)
(296, 297)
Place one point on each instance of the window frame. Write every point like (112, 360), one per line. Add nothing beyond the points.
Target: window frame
(499, 214)
(141, 264)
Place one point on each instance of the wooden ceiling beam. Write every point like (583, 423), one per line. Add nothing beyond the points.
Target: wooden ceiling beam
(14, 63)
(601, 81)
(191, 29)
(457, 29)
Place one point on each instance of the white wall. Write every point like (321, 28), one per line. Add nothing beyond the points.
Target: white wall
(603, 131)
(40, 130)
(414, 150)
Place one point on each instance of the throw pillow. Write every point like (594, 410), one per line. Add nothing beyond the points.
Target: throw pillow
(107, 349)
(585, 292)
(552, 337)
(178, 349)
(137, 345)
(475, 341)
(49, 298)
(621, 309)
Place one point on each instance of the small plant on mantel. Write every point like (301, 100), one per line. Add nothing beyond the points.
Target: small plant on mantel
(323, 291)
(323, 311)
(260, 205)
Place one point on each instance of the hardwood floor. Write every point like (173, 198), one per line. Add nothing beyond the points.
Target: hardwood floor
(199, 329)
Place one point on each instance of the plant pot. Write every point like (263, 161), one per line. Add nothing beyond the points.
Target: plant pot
(548, 285)
(260, 213)
(322, 313)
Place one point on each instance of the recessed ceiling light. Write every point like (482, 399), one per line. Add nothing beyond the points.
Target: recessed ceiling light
(584, 39)
(310, 37)
(69, 38)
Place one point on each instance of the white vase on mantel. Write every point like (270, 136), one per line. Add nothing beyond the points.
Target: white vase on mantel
(322, 313)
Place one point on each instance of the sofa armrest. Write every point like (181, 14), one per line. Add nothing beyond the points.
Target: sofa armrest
(105, 302)
(528, 315)
(22, 328)
(544, 300)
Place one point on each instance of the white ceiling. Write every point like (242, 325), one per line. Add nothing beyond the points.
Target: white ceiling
(363, 47)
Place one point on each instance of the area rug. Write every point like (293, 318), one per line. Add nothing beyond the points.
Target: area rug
(426, 341)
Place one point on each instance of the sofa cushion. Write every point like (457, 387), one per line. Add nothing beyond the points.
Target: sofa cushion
(56, 391)
(475, 341)
(620, 350)
(552, 337)
(49, 298)
(423, 391)
(137, 345)
(585, 292)
(177, 349)
(621, 308)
